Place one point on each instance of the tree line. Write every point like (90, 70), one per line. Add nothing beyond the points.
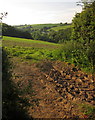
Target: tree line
(11, 31)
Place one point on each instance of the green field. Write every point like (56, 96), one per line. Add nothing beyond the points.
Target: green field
(34, 50)
(13, 41)
(61, 27)
(55, 27)
(39, 26)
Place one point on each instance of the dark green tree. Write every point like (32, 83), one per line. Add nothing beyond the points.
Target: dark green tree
(8, 30)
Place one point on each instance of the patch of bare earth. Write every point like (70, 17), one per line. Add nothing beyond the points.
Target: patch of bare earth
(54, 89)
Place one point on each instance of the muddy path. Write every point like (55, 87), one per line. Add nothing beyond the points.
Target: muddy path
(54, 89)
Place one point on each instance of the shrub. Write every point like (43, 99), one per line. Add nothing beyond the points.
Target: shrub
(76, 53)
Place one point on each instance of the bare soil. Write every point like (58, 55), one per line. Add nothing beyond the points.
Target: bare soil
(54, 89)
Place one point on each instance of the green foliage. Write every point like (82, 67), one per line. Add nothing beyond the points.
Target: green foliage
(47, 51)
(71, 51)
(75, 52)
(60, 36)
(58, 54)
(37, 54)
(83, 32)
(64, 35)
(91, 54)
(49, 32)
(84, 25)
(8, 30)
(37, 35)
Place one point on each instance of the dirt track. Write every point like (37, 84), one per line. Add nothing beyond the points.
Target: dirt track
(54, 89)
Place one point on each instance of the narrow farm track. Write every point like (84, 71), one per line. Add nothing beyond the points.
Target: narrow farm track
(54, 89)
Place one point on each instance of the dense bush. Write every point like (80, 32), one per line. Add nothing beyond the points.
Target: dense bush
(83, 32)
(75, 53)
(84, 25)
(59, 36)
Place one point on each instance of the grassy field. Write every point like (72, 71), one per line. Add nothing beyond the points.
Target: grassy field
(39, 26)
(34, 50)
(55, 27)
(12, 41)
(21, 40)
(60, 27)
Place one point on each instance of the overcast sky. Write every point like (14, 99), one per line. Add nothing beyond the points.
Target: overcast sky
(39, 11)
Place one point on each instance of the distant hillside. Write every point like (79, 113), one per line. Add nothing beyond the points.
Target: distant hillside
(42, 26)
(61, 27)
(56, 33)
